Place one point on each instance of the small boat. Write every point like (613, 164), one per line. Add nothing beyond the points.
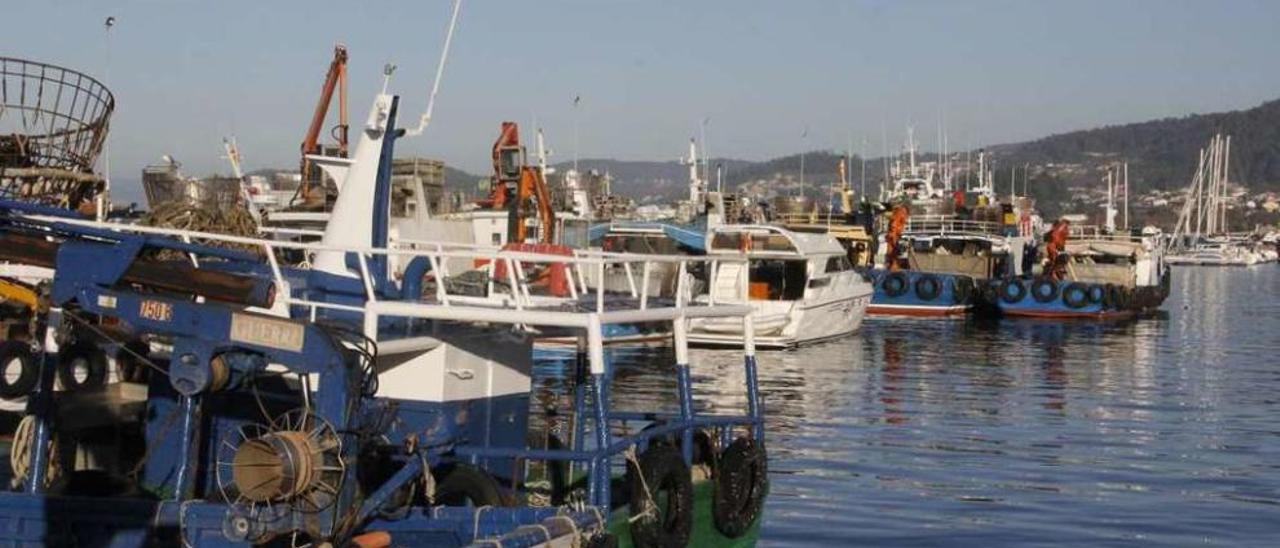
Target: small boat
(802, 288)
(1105, 275)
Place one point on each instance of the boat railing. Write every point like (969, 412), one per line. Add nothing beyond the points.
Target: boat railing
(1100, 233)
(812, 218)
(511, 295)
(518, 306)
(948, 225)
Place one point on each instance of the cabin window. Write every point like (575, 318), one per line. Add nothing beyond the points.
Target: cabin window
(778, 279)
(838, 264)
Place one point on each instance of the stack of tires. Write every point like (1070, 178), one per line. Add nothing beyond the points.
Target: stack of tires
(660, 488)
(928, 288)
(1076, 296)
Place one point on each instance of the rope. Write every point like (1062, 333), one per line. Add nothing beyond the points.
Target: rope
(235, 221)
(650, 504)
(20, 452)
(475, 530)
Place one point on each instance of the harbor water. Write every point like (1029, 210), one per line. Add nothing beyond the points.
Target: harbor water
(1157, 431)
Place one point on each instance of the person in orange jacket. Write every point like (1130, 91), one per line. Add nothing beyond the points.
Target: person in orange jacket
(897, 225)
(1054, 247)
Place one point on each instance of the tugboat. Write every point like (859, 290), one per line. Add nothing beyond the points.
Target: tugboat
(1090, 273)
(342, 406)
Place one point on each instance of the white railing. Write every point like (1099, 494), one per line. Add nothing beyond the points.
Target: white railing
(947, 225)
(513, 304)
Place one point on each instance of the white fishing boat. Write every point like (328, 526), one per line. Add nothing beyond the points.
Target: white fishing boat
(801, 287)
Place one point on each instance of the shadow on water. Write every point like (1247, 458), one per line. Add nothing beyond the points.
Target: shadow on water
(1015, 432)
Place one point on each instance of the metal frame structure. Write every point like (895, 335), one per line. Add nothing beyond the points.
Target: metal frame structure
(53, 125)
(114, 248)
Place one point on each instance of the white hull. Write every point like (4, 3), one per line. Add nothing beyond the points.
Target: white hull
(802, 323)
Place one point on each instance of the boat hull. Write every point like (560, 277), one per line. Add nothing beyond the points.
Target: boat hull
(907, 293)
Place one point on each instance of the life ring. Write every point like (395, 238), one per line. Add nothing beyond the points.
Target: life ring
(660, 470)
(1096, 293)
(1045, 290)
(466, 484)
(19, 371)
(961, 289)
(740, 487)
(1075, 295)
(78, 358)
(928, 287)
(895, 284)
(1012, 291)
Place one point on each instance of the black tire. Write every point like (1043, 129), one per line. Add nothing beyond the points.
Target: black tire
(1096, 294)
(132, 368)
(663, 471)
(465, 484)
(1075, 295)
(961, 289)
(1012, 291)
(989, 294)
(928, 287)
(740, 487)
(601, 540)
(1045, 290)
(86, 355)
(1112, 300)
(19, 383)
(1125, 300)
(895, 284)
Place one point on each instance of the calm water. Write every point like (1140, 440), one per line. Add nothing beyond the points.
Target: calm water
(1156, 431)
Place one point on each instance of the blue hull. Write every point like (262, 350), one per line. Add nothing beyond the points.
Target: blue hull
(910, 293)
(1044, 298)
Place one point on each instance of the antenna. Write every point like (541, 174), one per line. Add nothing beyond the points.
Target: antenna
(103, 200)
(435, 86)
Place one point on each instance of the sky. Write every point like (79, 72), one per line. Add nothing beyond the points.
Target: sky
(762, 78)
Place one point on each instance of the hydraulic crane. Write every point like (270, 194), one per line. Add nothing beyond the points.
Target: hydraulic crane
(515, 183)
(335, 79)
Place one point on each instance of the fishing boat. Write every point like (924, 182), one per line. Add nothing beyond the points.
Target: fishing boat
(937, 253)
(337, 404)
(1101, 274)
(801, 287)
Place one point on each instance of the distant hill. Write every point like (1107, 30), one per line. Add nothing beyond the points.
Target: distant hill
(1163, 153)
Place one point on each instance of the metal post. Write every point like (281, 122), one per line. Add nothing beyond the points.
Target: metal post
(41, 404)
(185, 482)
(600, 468)
(684, 386)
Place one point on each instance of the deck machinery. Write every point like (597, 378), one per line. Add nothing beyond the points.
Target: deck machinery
(340, 405)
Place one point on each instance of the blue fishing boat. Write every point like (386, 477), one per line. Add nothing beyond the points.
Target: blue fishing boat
(341, 405)
(1096, 274)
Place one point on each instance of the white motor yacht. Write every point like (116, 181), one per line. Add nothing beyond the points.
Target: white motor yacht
(801, 287)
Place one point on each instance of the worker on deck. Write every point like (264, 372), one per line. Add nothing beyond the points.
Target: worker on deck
(897, 225)
(1055, 249)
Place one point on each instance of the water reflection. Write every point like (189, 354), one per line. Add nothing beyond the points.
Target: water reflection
(1020, 432)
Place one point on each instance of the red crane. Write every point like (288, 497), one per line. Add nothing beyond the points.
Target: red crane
(515, 183)
(335, 79)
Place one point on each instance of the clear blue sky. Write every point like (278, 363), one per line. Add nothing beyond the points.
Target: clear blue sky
(188, 72)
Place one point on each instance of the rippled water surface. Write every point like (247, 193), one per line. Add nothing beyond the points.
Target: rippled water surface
(1156, 431)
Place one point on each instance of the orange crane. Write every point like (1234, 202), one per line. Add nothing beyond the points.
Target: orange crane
(515, 183)
(335, 79)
